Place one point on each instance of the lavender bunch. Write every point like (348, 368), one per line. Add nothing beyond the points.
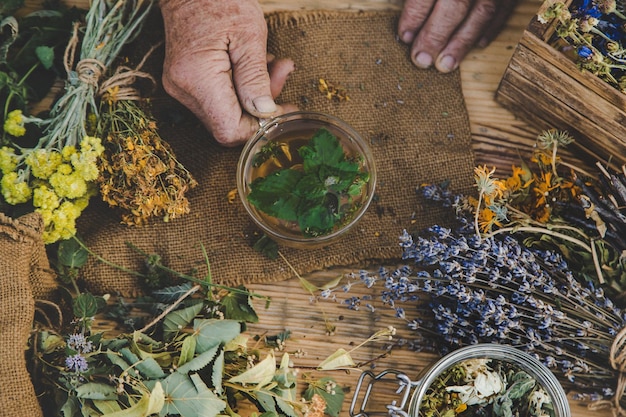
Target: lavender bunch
(470, 290)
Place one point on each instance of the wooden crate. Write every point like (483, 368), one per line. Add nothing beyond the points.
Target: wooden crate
(544, 87)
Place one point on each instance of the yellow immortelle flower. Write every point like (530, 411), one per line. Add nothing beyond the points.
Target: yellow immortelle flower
(8, 160)
(60, 223)
(85, 165)
(70, 185)
(14, 189)
(92, 144)
(45, 198)
(14, 123)
(67, 152)
(43, 162)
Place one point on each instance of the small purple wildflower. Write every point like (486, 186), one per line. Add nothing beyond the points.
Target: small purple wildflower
(76, 363)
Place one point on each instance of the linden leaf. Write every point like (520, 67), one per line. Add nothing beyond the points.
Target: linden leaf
(96, 391)
(237, 307)
(199, 362)
(177, 320)
(71, 407)
(218, 372)
(266, 400)
(188, 350)
(116, 359)
(285, 407)
(334, 398)
(341, 359)
(213, 332)
(261, 374)
(188, 395)
(148, 367)
(107, 406)
(149, 404)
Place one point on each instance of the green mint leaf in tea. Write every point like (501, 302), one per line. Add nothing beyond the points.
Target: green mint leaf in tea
(308, 182)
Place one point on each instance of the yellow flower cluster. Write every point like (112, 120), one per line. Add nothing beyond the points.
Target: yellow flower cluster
(140, 175)
(59, 183)
(14, 123)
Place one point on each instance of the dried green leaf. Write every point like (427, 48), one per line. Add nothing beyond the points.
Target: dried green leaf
(334, 397)
(71, 254)
(149, 404)
(13, 26)
(177, 320)
(171, 294)
(107, 406)
(341, 359)
(45, 54)
(96, 391)
(236, 306)
(212, 332)
(188, 395)
(261, 374)
(218, 372)
(188, 350)
(199, 362)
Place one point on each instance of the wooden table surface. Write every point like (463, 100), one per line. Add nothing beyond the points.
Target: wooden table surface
(497, 138)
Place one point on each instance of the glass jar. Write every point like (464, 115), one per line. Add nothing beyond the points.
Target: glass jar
(417, 390)
(276, 145)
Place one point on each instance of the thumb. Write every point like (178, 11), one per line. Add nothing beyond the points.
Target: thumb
(251, 78)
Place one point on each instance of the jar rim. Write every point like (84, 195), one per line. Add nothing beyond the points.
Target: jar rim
(506, 353)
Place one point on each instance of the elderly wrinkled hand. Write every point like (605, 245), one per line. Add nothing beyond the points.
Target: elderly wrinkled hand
(442, 32)
(217, 66)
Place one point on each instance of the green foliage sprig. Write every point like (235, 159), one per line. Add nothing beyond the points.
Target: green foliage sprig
(312, 196)
(183, 351)
(30, 51)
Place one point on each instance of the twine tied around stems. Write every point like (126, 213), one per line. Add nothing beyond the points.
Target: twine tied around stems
(120, 85)
(617, 359)
(89, 71)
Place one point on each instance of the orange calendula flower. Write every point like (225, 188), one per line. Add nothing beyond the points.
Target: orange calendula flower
(542, 188)
(487, 218)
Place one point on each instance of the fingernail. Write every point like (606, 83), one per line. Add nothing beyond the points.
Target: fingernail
(407, 37)
(423, 60)
(446, 64)
(264, 104)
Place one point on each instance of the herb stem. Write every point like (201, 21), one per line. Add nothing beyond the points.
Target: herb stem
(165, 312)
(195, 280)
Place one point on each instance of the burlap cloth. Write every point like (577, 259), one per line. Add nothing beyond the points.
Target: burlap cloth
(415, 120)
(25, 276)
